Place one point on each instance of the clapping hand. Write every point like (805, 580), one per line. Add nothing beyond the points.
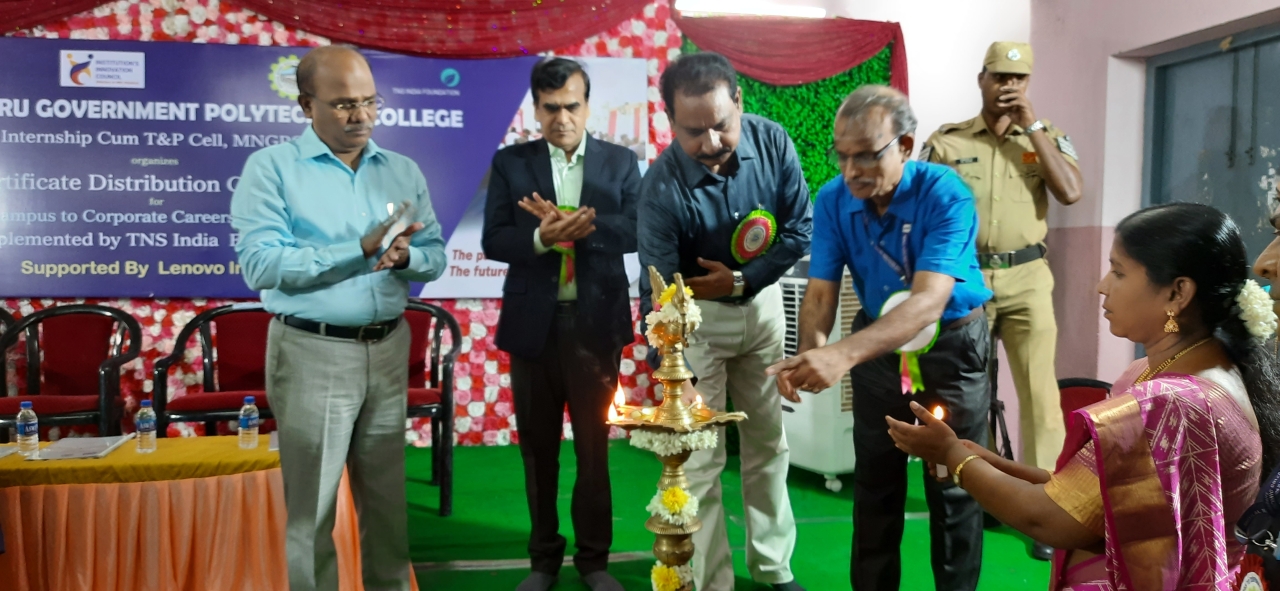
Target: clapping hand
(371, 242)
(558, 225)
(397, 255)
(539, 207)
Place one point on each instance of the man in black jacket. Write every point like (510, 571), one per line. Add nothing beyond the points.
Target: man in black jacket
(561, 211)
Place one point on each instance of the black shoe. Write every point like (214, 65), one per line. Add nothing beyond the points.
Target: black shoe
(602, 581)
(1042, 552)
(537, 581)
(791, 585)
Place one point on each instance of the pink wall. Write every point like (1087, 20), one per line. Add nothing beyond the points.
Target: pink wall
(1090, 80)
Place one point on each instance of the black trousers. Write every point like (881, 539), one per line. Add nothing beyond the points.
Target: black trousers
(567, 371)
(955, 376)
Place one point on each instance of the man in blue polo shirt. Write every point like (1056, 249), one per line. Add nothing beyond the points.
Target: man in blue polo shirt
(897, 225)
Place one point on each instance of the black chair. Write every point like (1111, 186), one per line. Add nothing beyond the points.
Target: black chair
(233, 348)
(74, 354)
(431, 387)
(1077, 393)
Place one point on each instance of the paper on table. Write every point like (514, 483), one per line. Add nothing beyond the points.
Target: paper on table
(6, 450)
(273, 443)
(73, 448)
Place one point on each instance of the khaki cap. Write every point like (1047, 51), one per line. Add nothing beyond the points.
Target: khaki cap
(1009, 57)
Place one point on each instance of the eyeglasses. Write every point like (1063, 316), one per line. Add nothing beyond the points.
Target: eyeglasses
(349, 107)
(861, 159)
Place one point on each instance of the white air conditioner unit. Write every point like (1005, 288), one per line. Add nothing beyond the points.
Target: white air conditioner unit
(820, 430)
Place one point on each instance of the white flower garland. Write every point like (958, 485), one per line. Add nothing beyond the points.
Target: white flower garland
(670, 314)
(687, 513)
(669, 444)
(1256, 310)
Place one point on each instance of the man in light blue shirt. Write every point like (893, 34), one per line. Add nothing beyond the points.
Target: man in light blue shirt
(313, 217)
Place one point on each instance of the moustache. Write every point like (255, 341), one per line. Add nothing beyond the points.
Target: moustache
(358, 127)
(718, 155)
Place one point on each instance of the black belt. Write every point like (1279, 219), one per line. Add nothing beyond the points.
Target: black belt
(1005, 260)
(366, 334)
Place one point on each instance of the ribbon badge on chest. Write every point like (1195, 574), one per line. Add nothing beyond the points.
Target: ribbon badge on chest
(754, 236)
(912, 380)
(566, 251)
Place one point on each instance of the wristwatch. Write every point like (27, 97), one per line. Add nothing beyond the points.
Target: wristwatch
(739, 284)
(1034, 127)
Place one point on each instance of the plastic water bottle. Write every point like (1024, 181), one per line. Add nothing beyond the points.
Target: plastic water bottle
(28, 431)
(248, 424)
(145, 421)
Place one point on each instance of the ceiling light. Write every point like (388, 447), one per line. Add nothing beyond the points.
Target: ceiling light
(746, 7)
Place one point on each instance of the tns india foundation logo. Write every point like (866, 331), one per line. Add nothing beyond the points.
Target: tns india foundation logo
(102, 69)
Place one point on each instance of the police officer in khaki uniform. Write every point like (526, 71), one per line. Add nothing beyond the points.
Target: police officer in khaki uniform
(1013, 160)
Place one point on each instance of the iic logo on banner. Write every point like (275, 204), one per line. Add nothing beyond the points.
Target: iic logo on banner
(102, 69)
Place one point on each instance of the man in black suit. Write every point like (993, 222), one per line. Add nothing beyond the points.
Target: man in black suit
(561, 211)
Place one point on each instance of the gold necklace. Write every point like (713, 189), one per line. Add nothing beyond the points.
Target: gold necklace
(1149, 373)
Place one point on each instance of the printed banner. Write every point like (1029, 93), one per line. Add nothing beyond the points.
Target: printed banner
(619, 114)
(118, 159)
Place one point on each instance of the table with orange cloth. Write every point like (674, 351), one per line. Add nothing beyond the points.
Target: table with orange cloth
(198, 513)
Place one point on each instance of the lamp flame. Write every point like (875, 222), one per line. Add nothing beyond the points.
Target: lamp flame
(938, 413)
(619, 399)
(697, 401)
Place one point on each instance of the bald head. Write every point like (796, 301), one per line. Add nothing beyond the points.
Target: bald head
(337, 93)
(872, 102)
(327, 58)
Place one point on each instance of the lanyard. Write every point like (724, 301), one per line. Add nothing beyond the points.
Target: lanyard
(904, 270)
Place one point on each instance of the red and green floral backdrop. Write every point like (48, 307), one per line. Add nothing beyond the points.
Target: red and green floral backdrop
(484, 413)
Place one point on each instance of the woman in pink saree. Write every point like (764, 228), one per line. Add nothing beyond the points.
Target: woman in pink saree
(1152, 480)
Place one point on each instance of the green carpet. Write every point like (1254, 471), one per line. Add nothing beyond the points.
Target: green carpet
(491, 522)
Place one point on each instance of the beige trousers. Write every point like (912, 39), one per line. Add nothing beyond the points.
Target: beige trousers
(729, 353)
(1021, 315)
(341, 403)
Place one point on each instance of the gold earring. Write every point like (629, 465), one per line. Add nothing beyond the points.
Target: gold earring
(1172, 324)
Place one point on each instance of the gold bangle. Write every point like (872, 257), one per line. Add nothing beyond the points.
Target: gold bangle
(955, 474)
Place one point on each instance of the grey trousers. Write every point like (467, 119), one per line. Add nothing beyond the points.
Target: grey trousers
(341, 403)
(729, 353)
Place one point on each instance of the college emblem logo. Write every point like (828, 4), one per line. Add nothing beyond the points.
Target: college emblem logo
(284, 77)
(450, 77)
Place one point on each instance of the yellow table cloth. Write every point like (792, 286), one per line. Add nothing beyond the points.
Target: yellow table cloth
(198, 514)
